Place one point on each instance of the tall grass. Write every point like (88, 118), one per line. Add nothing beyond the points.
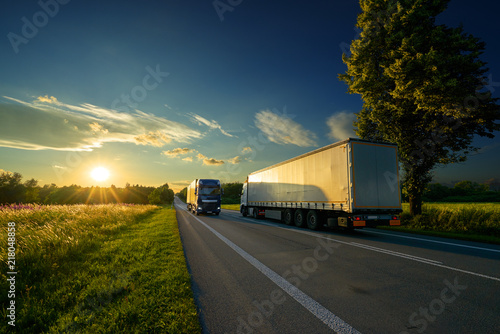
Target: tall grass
(464, 218)
(87, 269)
(48, 233)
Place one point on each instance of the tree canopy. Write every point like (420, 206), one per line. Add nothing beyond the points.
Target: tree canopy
(423, 87)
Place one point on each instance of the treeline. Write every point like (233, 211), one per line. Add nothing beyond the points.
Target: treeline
(463, 191)
(232, 193)
(13, 190)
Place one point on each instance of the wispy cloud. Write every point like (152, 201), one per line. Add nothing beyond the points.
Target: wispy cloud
(211, 124)
(178, 151)
(246, 149)
(47, 99)
(235, 160)
(156, 138)
(281, 129)
(341, 125)
(47, 123)
(209, 161)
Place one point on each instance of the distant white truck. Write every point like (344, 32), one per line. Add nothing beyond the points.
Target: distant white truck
(353, 183)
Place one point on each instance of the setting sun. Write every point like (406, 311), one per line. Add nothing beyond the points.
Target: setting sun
(100, 174)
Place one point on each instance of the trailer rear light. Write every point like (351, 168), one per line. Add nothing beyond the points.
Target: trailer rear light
(395, 221)
(358, 221)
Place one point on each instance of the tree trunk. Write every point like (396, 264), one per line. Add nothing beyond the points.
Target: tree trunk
(415, 204)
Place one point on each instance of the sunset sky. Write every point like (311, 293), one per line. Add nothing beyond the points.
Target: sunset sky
(170, 91)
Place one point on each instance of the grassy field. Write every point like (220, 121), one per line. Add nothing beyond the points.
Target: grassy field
(470, 221)
(97, 269)
(231, 207)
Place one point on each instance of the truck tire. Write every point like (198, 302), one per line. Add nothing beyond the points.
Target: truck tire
(300, 219)
(288, 217)
(244, 211)
(255, 213)
(312, 220)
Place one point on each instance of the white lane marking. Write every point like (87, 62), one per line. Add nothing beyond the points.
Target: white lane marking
(381, 250)
(318, 310)
(409, 257)
(386, 251)
(435, 241)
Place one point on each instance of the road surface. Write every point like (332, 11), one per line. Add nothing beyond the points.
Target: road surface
(260, 276)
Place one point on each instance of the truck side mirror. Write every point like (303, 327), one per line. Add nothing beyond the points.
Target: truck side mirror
(195, 191)
(222, 191)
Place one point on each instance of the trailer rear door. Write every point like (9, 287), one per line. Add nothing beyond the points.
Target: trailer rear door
(375, 176)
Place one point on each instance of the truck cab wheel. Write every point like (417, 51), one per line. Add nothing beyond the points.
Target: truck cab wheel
(255, 213)
(244, 211)
(312, 220)
(299, 218)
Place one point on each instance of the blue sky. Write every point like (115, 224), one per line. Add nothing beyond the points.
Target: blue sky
(169, 91)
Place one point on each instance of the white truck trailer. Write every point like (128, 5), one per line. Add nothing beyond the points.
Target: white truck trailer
(352, 184)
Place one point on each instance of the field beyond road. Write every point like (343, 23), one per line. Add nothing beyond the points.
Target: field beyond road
(97, 269)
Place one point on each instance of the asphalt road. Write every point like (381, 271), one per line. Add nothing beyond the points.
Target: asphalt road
(260, 276)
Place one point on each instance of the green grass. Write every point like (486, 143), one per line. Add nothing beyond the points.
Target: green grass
(468, 221)
(98, 269)
(231, 207)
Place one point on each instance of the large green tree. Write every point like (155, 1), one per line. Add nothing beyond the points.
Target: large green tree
(423, 87)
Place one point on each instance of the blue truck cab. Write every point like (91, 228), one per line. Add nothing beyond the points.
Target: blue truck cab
(204, 196)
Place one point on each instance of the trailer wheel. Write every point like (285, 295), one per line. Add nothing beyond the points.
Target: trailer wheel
(244, 211)
(299, 218)
(255, 213)
(312, 220)
(288, 217)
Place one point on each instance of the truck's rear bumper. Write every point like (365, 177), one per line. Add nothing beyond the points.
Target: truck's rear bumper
(360, 221)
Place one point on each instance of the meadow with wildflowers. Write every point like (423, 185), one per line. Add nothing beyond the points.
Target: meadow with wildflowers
(97, 268)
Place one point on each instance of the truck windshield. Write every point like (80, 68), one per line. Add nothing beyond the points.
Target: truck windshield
(209, 191)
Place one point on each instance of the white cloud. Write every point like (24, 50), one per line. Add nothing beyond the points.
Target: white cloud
(177, 151)
(97, 128)
(209, 161)
(281, 129)
(235, 160)
(58, 126)
(246, 149)
(341, 126)
(156, 138)
(47, 99)
(211, 124)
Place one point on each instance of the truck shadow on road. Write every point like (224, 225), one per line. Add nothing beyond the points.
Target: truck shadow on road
(393, 238)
